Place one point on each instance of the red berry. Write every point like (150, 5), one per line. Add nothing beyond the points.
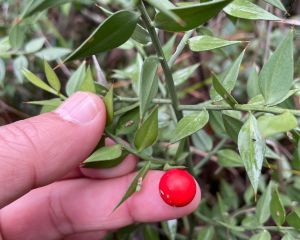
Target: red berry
(177, 187)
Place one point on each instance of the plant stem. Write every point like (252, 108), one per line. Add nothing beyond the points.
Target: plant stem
(164, 63)
(133, 151)
(209, 106)
(180, 47)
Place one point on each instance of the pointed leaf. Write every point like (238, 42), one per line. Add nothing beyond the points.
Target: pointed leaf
(232, 126)
(276, 3)
(263, 205)
(193, 16)
(105, 157)
(88, 84)
(181, 75)
(189, 125)
(229, 158)
(35, 80)
(248, 10)
(34, 45)
(147, 134)
(277, 209)
(230, 78)
(128, 122)
(293, 219)
(109, 104)
(76, 80)
(223, 92)
(205, 43)
(135, 185)
(273, 124)
(52, 53)
(252, 149)
(52, 77)
(148, 84)
(276, 76)
(55, 102)
(111, 33)
(206, 233)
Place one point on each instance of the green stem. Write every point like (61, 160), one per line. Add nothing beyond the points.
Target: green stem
(209, 106)
(133, 151)
(164, 63)
(180, 47)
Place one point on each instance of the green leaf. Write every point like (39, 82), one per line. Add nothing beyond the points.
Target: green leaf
(148, 84)
(193, 16)
(232, 126)
(276, 3)
(273, 124)
(52, 53)
(276, 76)
(109, 104)
(220, 89)
(19, 64)
(52, 77)
(201, 140)
(277, 209)
(252, 83)
(105, 157)
(35, 80)
(76, 80)
(293, 219)
(34, 45)
(17, 36)
(168, 48)
(88, 84)
(263, 235)
(111, 33)
(41, 5)
(205, 43)
(230, 78)
(136, 183)
(55, 102)
(2, 72)
(248, 10)
(147, 134)
(263, 205)
(189, 125)
(252, 149)
(141, 35)
(163, 6)
(229, 158)
(128, 122)
(206, 233)
(181, 75)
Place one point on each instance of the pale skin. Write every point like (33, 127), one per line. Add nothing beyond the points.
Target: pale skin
(44, 194)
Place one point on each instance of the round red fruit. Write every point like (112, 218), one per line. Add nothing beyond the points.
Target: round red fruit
(177, 187)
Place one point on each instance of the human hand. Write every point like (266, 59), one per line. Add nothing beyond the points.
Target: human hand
(45, 195)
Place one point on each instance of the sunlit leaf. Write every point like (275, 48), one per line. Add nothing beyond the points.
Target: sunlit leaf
(109, 104)
(205, 43)
(192, 16)
(52, 77)
(272, 124)
(248, 10)
(189, 125)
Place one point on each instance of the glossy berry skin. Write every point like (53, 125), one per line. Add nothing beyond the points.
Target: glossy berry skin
(177, 187)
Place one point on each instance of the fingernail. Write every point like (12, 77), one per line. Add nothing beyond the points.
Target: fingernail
(79, 108)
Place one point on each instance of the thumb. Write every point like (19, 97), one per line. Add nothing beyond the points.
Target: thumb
(42, 149)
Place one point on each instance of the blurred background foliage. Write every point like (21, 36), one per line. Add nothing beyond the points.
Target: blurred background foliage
(229, 209)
